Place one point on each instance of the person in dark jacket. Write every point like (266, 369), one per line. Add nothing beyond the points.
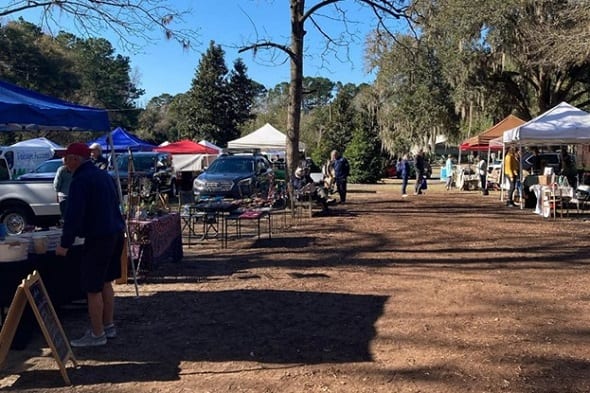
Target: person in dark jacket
(420, 166)
(97, 158)
(93, 213)
(405, 174)
(341, 172)
(304, 186)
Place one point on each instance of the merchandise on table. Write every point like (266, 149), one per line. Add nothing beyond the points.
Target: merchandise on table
(13, 250)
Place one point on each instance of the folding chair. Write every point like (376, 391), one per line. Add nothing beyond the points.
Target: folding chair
(188, 215)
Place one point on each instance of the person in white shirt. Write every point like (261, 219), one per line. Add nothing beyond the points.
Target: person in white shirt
(482, 168)
(449, 171)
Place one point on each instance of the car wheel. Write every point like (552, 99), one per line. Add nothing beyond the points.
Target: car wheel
(16, 219)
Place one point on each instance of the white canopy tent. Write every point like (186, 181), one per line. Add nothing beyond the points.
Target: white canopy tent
(39, 142)
(192, 162)
(563, 124)
(206, 143)
(266, 138)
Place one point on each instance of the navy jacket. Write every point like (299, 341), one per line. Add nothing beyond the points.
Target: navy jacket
(93, 206)
(341, 168)
(405, 169)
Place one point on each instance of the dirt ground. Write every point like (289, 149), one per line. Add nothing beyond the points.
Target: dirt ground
(444, 292)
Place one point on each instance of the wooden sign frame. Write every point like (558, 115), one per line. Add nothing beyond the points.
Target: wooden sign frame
(32, 291)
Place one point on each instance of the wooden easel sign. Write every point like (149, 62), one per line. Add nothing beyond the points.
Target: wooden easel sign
(33, 291)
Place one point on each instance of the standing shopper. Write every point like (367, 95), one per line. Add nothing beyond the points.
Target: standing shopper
(341, 172)
(420, 166)
(61, 185)
(511, 170)
(482, 170)
(449, 171)
(97, 158)
(404, 167)
(93, 214)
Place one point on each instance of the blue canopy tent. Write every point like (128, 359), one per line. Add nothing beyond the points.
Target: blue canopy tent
(122, 141)
(23, 110)
(26, 110)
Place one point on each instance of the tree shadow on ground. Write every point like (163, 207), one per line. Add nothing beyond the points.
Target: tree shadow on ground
(264, 326)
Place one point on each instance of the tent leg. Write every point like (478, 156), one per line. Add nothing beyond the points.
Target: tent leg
(116, 168)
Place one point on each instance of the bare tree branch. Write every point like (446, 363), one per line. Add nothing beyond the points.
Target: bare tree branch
(383, 9)
(128, 19)
(268, 44)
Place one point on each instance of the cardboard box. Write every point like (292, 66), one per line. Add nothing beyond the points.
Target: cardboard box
(544, 180)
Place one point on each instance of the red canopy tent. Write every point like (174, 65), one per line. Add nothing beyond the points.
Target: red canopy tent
(188, 156)
(481, 142)
(186, 146)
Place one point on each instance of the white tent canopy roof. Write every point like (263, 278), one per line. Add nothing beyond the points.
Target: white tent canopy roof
(192, 162)
(265, 138)
(38, 142)
(211, 145)
(564, 124)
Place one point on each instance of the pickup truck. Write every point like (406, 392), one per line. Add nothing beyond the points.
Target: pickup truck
(24, 203)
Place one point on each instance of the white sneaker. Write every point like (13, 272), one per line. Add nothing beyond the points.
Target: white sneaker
(404, 195)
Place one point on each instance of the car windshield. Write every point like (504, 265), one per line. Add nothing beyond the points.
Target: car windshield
(140, 163)
(52, 166)
(233, 165)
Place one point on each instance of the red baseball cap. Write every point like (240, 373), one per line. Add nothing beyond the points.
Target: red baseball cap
(78, 149)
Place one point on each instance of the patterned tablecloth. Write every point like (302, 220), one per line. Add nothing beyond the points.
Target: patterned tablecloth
(157, 240)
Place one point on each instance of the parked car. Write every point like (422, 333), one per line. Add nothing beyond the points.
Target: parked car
(548, 159)
(45, 171)
(24, 203)
(21, 159)
(154, 165)
(390, 170)
(234, 176)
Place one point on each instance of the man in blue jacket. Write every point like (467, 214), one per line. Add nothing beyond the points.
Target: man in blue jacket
(93, 213)
(341, 172)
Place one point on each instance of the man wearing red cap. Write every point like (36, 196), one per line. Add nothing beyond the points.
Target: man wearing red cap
(93, 213)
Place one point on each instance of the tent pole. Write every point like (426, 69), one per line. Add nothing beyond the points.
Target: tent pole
(488, 166)
(120, 191)
(521, 187)
(502, 177)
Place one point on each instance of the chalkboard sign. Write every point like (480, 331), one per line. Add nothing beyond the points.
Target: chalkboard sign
(33, 290)
(49, 319)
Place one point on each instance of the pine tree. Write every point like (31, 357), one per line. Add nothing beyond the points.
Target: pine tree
(243, 92)
(207, 107)
(364, 155)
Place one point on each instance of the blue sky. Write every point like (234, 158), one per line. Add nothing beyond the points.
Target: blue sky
(164, 67)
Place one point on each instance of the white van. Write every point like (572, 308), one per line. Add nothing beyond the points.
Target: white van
(23, 159)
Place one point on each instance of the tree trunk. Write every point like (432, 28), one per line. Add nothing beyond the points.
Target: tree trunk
(295, 86)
